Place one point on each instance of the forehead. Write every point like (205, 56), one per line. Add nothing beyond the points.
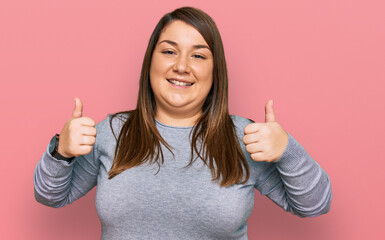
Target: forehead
(181, 33)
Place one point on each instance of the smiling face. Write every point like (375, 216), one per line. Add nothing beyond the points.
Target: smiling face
(180, 74)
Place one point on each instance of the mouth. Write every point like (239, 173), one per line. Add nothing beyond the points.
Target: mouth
(180, 83)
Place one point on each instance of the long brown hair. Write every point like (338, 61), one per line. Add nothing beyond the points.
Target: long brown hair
(139, 140)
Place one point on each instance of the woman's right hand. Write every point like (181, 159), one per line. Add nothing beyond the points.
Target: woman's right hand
(78, 134)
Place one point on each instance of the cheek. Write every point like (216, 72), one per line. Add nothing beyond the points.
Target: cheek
(203, 71)
(153, 80)
(207, 75)
(155, 72)
(160, 66)
(154, 69)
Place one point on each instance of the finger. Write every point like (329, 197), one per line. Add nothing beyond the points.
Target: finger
(254, 148)
(89, 131)
(86, 121)
(84, 149)
(252, 128)
(78, 110)
(87, 140)
(269, 112)
(258, 156)
(251, 138)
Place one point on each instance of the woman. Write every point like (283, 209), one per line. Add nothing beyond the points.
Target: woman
(181, 166)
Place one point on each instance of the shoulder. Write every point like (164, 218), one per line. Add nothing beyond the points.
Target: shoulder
(240, 123)
(112, 124)
(256, 167)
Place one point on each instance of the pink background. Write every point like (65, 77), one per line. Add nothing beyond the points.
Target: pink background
(321, 61)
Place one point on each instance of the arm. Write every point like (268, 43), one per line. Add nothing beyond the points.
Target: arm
(284, 171)
(296, 182)
(57, 183)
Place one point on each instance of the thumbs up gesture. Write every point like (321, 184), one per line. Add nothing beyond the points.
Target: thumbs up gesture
(78, 134)
(266, 141)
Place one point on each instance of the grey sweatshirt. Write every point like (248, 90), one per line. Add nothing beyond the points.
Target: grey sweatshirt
(178, 202)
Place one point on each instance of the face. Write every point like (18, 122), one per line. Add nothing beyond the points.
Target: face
(181, 70)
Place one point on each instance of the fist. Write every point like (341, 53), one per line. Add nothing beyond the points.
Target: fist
(266, 141)
(78, 134)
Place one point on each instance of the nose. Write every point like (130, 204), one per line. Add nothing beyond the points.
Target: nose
(181, 64)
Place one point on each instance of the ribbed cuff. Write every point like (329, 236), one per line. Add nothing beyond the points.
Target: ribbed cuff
(55, 166)
(292, 156)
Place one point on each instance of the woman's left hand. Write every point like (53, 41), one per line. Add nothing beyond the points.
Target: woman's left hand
(266, 141)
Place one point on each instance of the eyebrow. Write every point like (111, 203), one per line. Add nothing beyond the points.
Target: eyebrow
(175, 44)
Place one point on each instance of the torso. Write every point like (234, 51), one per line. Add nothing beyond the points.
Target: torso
(176, 203)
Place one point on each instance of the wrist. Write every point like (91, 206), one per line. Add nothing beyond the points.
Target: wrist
(54, 150)
(61, 153)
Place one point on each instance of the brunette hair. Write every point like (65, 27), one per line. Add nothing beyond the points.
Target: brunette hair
(139, 140)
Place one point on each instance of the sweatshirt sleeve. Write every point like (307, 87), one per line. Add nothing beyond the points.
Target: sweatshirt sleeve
(297, 183)
(58, 183)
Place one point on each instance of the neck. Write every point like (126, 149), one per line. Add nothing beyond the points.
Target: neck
(178, 119)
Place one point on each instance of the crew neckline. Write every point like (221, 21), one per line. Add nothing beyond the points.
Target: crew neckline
(174, 127)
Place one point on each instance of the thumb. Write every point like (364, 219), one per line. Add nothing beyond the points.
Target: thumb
(269, 112)
(78, 110)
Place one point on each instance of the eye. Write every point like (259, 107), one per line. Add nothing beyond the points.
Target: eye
(168, 52)
(199, 56)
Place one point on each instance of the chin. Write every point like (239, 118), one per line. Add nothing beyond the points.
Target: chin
(177, 101)
(177, 104)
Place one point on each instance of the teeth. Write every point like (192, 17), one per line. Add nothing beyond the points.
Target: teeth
(179, 83)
